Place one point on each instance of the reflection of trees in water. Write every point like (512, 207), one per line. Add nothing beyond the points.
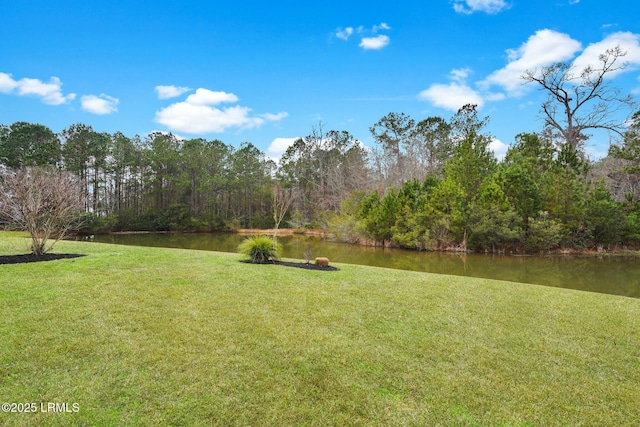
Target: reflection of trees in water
(610, 274)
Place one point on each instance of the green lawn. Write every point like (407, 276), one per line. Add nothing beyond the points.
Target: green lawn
(148, 336)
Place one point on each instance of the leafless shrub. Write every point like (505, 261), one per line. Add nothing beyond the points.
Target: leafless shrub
(307, 255)
(43, 201)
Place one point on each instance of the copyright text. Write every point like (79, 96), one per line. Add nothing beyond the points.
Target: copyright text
(22, 407)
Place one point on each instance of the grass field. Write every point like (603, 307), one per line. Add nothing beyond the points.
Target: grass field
(148, 336)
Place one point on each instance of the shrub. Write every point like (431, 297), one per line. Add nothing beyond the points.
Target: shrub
(260, 249)
(43, 201)
(93, 223)
(322, 261)
(544, 233)
(492, 228)
(233, 225)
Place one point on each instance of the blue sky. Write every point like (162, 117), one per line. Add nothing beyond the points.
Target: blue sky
(267, 72)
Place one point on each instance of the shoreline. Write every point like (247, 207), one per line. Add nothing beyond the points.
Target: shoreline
(324, 234)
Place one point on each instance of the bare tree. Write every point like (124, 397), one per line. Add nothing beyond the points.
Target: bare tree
(582, 99)
(393, 133)
(43, 201)
(282, 198)
(324, 168)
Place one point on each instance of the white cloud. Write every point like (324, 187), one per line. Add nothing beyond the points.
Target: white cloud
(275, 117)
(51, 92)
(165, 92)
(377, 42)
(382, 26)
(627, 41)
(197, 114)
(194, 118)
(499, 148)
(451, 96)
(209, 97)
(460, 74)
(7, 84)
(547, 47)
(344, 34)
(543, 48)
(488, 6)
(454, 95)
(278, 146)
(103, 104)
(369, 37)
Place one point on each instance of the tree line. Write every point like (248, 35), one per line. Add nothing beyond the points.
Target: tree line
(432, 184)
(541, 196)
(428, 184)
(154, 183)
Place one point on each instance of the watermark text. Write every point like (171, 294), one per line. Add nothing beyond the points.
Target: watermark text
(24, 407)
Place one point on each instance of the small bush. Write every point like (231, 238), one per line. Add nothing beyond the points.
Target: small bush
(260, 249)
(232, 225)
(322, 261)
(544, 233)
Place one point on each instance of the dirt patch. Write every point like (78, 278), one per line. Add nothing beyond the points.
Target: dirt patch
(21, 259)
(296, 265)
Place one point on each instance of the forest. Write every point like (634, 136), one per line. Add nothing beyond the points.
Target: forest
(432, 184)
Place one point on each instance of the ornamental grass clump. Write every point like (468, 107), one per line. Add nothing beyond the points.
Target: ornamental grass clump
(260, 249)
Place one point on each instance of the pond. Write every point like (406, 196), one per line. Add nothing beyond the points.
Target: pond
(618, 275)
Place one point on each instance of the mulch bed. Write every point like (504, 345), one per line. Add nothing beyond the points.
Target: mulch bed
(296, 265)
(21, 259)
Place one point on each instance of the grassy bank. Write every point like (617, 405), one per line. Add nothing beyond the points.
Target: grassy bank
(148, 336)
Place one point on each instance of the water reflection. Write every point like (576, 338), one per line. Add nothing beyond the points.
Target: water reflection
(617, 275)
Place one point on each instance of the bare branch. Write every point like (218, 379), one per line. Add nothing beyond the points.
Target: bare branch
(43, 201)
(282, 198)
(579, 100)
